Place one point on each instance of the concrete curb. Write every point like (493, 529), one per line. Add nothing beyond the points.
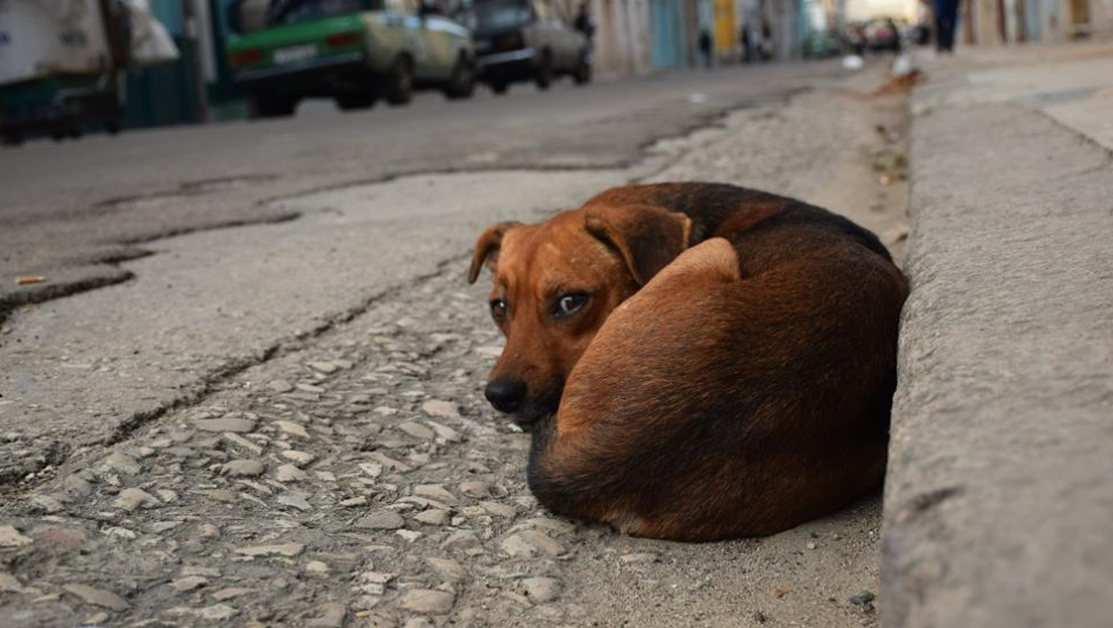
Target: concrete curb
(999, 499)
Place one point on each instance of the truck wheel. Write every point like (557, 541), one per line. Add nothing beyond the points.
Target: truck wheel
(272, 105)
(544, 76)
(400, 83)
(11, 138)
(582, 75)
(352, 102)
(462, 84)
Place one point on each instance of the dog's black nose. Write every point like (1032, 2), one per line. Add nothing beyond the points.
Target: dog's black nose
(506, 395)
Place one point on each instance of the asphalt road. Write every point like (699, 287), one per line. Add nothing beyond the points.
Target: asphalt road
(71, 211)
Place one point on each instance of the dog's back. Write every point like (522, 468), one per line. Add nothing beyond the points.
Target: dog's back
(744, 389)
(728, 211)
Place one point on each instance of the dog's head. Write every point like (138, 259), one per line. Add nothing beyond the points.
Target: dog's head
(556, 282)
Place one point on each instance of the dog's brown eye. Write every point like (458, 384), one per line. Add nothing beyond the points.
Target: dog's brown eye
(569, 304)
(498, 309)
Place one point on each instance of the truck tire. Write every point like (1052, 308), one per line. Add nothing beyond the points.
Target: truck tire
(353, 102)
(462, 83)
(582, 75)
(544, 76)
(400, 82)
(272, 105)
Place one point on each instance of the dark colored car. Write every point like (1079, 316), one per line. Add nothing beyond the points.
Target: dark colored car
(526, 40)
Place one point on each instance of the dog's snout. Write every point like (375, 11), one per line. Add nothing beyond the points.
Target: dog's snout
(506, 394)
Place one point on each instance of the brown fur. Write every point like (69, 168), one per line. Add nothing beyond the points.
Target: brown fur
(736, 388)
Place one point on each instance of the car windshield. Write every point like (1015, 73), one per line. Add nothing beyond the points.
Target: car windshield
(291, 11)
(501, 14)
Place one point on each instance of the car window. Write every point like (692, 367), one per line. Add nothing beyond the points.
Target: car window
(500, 14)
(292, 11)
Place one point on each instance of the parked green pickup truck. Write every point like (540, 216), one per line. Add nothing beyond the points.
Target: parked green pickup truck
(355, 51)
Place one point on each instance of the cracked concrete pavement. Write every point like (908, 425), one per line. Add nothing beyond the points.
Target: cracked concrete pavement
(282, 424)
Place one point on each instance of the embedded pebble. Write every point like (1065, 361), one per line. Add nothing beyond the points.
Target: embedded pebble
(9, 583)
(188, 583)
(231, 592)
(131, 499)
(220, 495)
(638, 557)
(241, 442)
(475, 489)
(329, 615)
(289, 473)
(447, 568)
(417, 430)
(295, 501)
(328, 368)
(291, 428)
(280, 386)
(50, 504)
(216, 612)
(435, 491)
(121, 463)
(529, 544)
(497, 509)
(299, 458)
(243, 468)
(286, 549)
(381, 520)
(434, 517)
(10, 537)
(225, 425)
(541, 590)
(98, 597)
(442, 409)
(427, 601)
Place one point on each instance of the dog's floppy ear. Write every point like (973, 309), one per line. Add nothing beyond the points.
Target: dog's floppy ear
(646, 237)
(487, 247)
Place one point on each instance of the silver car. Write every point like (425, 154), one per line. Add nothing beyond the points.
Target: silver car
(526, 40)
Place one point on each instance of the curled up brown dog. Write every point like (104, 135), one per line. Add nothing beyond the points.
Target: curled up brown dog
(696, 361)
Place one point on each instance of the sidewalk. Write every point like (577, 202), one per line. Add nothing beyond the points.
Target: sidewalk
(999, 499)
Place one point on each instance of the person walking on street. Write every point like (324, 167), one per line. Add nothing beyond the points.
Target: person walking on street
(744, 38)
(585, 24)
(705, 47)
(946, 19)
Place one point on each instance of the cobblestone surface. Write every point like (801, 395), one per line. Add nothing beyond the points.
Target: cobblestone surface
(360, 479)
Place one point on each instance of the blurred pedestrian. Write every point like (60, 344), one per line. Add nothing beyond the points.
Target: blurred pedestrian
(705, 47)
(744, 37)
(584, 22)
(946, 19)
(766, 40)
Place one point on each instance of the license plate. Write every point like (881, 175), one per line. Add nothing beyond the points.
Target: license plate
(295, 53)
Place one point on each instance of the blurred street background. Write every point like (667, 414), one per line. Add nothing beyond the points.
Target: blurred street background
(241, 371)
